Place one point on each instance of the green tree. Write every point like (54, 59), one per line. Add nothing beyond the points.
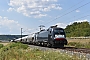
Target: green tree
(78, 29)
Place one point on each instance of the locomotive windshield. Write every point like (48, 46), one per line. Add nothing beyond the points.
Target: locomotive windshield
(59, 32)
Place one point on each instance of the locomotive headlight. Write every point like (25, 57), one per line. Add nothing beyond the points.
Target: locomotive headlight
(51, 36)
(59, 36)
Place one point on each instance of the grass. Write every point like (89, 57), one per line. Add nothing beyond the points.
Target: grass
(4, 43)
(18, 51)
(79, 43)
(1, 45)
(83, 41)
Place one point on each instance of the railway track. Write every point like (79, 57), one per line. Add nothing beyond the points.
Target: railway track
(80, 50)
(82, 53)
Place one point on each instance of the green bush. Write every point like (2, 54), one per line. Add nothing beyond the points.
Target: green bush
(14, 45)
(87, 45)
(79, 45)
(18, 51)
(72, 43)
(19, 45)
(1, 45)
(34, 54)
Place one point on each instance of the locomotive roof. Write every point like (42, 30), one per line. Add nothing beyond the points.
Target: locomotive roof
(57, 28)
(54, 27)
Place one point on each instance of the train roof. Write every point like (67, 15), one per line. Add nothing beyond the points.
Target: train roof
(56, 26)
(24, 37)
(53, 26)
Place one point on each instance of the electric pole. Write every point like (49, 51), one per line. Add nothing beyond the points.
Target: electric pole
(21, 34)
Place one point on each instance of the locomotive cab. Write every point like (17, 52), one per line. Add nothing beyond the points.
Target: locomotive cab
(52, 37)
(56, 37)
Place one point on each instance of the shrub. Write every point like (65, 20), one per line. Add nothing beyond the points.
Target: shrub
(79, 45)
(14, 45)
(19, 45)
(1, 45)
(72, 43)
(18, 51)
(87, 45)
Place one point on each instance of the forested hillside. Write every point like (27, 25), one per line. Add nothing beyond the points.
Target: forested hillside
(78, 29)
(10, 37)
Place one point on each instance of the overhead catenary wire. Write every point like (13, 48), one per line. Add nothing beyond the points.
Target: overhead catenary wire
(68, 9)
(82, 17)
(68, 12)
(71, 7)
(79, 14)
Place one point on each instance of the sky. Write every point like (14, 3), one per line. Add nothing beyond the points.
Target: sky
(30, 14)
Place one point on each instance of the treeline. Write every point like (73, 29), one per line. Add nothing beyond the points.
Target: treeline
(10, 37)
(78, 29)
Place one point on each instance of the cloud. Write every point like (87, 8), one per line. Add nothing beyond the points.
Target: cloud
(8, 26)
(78, 21)
(62, 25)
(33, 8)
(77, 10)
(10, 9)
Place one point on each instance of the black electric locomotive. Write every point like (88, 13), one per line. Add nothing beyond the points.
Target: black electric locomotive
(52, 37)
